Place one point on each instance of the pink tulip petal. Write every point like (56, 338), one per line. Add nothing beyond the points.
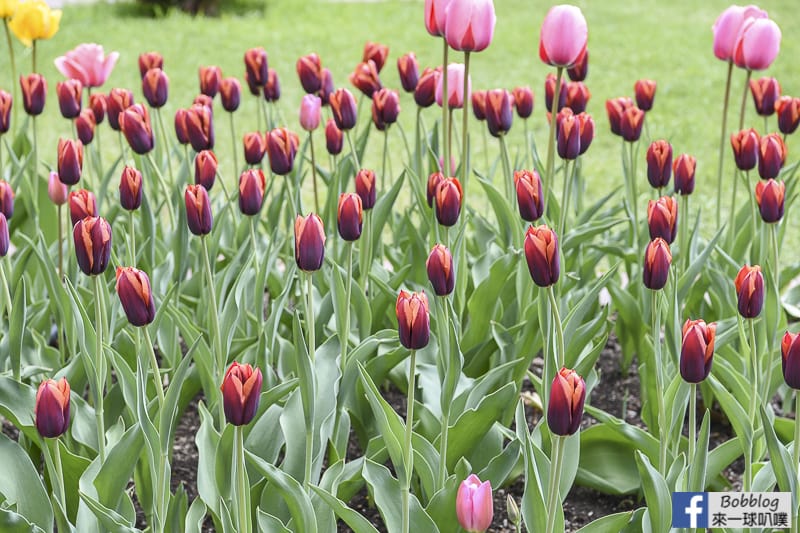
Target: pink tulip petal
(564, 34)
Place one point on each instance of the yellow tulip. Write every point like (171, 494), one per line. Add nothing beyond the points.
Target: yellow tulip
(7, 8)
(33, 19)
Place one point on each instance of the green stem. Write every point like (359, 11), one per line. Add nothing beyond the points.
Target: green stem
(33, 56)
(565, 192)
(635, 193)
(692, 429)
(408, 454)
(233, 146)
(52, 459)
(744, 99)
(385, 157)
(310, 316)
(751, 413)
(465, 127)
(528, 151)
(560, 356)
(165, 145)
(443, 326)
(162, 490)
(132, 224)
(219, 358)
(346, 318)
(313, 171)
(662, 412)
(352, 150)
(241, 482)
(99, 364)
(508, 178)
(551, 139)
(796, 457)
(722, 138)
(162, 183)
(553, 498)
(418, 148)
(35, 173)
(683, 221)
(486, 147)
(8, 302)
(445, 112)
(14, 80)
(154, 368)
(309, 454)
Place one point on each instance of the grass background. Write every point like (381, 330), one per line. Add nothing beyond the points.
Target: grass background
(669, 42)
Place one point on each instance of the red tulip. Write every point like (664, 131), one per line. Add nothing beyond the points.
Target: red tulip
(272, 89)
(252, 185)
(662, 218)
(586, 123)
(377, 53)
(523, 101)
(645, 91)
(6, 102)
(425, 91)
(697, 350)
(343, 107)
(790, 357)
(6, 199)
(788, 110)
(256, 67)
(5, 240)
(52, 408)
(541, 253)
(408, 68)
(92, 236)
(180, 126)
(568, 135)
(365, 188)
(327, 89)
(205, 169)
(241, 393)
(230, 94)
(745, 146)
(385, 108)
(130, 189)
(749, 284)
(766, 92)
(349, 216)
(413, 319)
(365, 78)
(657, 259)
(659, 163)
(255, 147)
(282, 148)
(135, 125)
(69, 97)
(199, 123)
(198, 210)
(210, 78)
(135, 295)
(499, 111)
(34, 92)
(580, 69)
(98, 104)
(309, 69)
(117, 101)
(684, 169)
(578, 96)
(82, 204)
(309, 242)
(616, 108)
(479, 104)
(440, 269)
(155, 87)
(433, 183)
(449, 197)
(550, 91)
(85, 125)
(770, 198)
(70, 161)
(529, 194)
(772, 156)
(631, 124)
(334, 138)
(148, 60)
(565, 409)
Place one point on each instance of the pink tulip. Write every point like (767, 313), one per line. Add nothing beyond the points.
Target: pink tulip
(435, 16)
(563, 37)
(56, 190)
(455, 86)
(310, 112)
(727, 27)
(474, 507)
(88, 64)
(758, 44)
(469, 24)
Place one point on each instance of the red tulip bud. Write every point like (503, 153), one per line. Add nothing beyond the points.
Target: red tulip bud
(433, 183)
(684, 168)
(198, 210)
(425, 91)
(659, 163)
(586, 123)
(210, 77)
(272, 89)
(578, 96)
(6, 199)
(6, 102)
(365, 78)
(441, 273)
(343, 107)
(770, 198)
(309, 242)
(479, 104)
(130, 189)
(631, 124)
(205, 169)
(745, 146)
(180, 126)
(309, 69)
(376, 52)
(523, 101)
(155, 87)
(788, 110)
(241, 393)
(772, 156)
(413, 319)
(282, 148)
(790, 359)
(750, 291)
(135, 125)
(327, 89)
(657, 259)
(52, 408)
(199, 126)
(499, 111)
(34, 92)
(365, 188)
(85, 124)
(568, 135)
(408, 69)
(697, 350)
(550, 90)
(256, 67)
(565, 409)
(118, 100)
(449, 197)
(616, 108)
(385, 108)
(334, 138)
(230, 94)
(82, 204)
(349, 216)
(255, 147)
(530, 199)
(69, 97)
(98, 104)
(5, 239)
(662, 218)
(70, 161)
(580, 69)
(92, 236)
(645, 91)
(766, 92)
(252, 185)
(541, 253)
(148, 60)
(133, 289)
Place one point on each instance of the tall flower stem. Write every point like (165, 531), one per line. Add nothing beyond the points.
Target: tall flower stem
(551, 139)
(219, 357)
(352, 150)
(165, 145)
(565, 196)
(35, 171)
(528, 151)
(309, 317)
(164, 186)
(408, 454)
(796, 456)
(242, 498)
(634, 194)
(751, 412)
(132, 225)
(683, 221)
(556, 463)
(465, 127)
(444, 348)
(14, 80)
(692, 428)
(154, 368)
(100, 365)
(33, 56)
(722, 137)
(508, 177)
(560, 355)
(384, 158)
(314, 170)
(418, 146)
(233, 145)
(346, 318)
(445, 112)
(659, 372)
(60, 243)
(52, 459)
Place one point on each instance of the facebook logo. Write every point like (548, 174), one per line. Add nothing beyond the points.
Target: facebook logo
(690, 509)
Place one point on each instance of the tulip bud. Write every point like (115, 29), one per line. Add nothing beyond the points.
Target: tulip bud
(479, 104)
(180, 126)
(34, 92)
(684, 169)
(659, 164)
(425, 91)
(578, 96)
(343, 107)
(230, 93)
(57, 191)
(474, 505)
(135, 125)
(130, 189)
(198, 210)
(770, 196)
(133, 289)
(98, 105)
(199, 124)
(6, 199)
(662, 218)
(568, 135)
(455, 86)
(255, 146)
(541, 253)
(309, 69)
(205, 169)
(565, 409)
(210, 78)
(469, 26)
(272, 89)
(697, 350)
(586, 123)
(408, 68)
(499, 111)
(241, 393)
(6, 102)
(766, 92)
(376, 52)
(790, 359)
(757, 44)
(772, 156)
(365, 188)
(282, 148)
(334, 138)
(349, 216)
(5, 239)
(745, 146)
(750, 291)
(657, 259)
(365, 78)
(385, 108)
(52, 408)
(148, 60)
(788, 110)
(256, 67)
(580, 69)
(70, 161)
(433, 183)
(631, 124)
(327, 89)
(616, 108)
(92, 236)
(69, 97)
(513, 510)
(309, 242)
(118, 100)
(523, 101)
(252, 184)
(155, 87)
(645, 92)
(85, 125)
(529, 194)
(82, 204)
(413, 319)
(550, 91)
(310, 108)
(440, 270)
(562, 40)
(449, 196)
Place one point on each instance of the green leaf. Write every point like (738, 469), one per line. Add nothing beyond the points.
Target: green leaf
(270, 524)
(508, 224)
(656, 494)
(16, 327)
(697, 466)
(734, 411)
(612, 522)
(22, 487)
(382, 210)
(387, 493)
(534, 508)
(779, 457)
(354, 520)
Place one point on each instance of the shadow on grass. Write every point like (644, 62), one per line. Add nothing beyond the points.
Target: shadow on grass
(207, 8)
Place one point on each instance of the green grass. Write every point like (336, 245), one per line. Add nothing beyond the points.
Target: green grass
(668, 42)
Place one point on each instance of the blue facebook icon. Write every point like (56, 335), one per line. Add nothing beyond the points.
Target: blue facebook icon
(689, 509)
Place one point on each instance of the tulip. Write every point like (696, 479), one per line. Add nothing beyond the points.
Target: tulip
(241, 393)
(365, 188)
(97, 102)
(425, 91)
(565, 409)
(562, 41)
(408, 68)
(455, 86)
(469, 24)
(645, 91)
(659, 163)
(155, 87)
(256, 67)
(474, 506)
(334, 138)
(523, 101)
(5, 239)
(758, 44)
(684, 169)
(309, 69)
(272, 89)
(343, 107)
(230, 93)
(452, 170)
(252, 184)
(198, 210)
(34, 92)
(530, 199)
(550, 90)
(309, 242)
(57, 191)
(135, 125)
(375, 52)
(310, 108)
(148, 60)
(6, 199)
(118, 100)
(745, 146)
(770, 198)
(7, 8)
(568, 135)
(205, 169)
(52, 408)
(578, 96)
(728, 26)
(70, 161)
(631, 124)
(499, 111)
(6, 102)
(255, 146)
(88, 64)
(697, 350)
(766, 92)
(657, 259)
(787, 109)
(365, 78)
(586, 123)
(662, 218)
(85, 125)
(82, 204)
(180, 126)
(479, 104)
(327, 89)
(210, 78)
(449, 197)
(541, 253)
(616, 108)
(385, 108)
(282, 148)
(440, 270)
(435, 11)
(34, 20)
(130, 189)
(199, 127)
(790, 357)
(750, 291)
(133, 289)
(69, 98)
(772, 156)
(349, 216)
(433, 183)
(92, 236)
(413, 319)
(580, 69)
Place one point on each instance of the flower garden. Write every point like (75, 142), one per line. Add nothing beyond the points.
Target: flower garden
(418, 309)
